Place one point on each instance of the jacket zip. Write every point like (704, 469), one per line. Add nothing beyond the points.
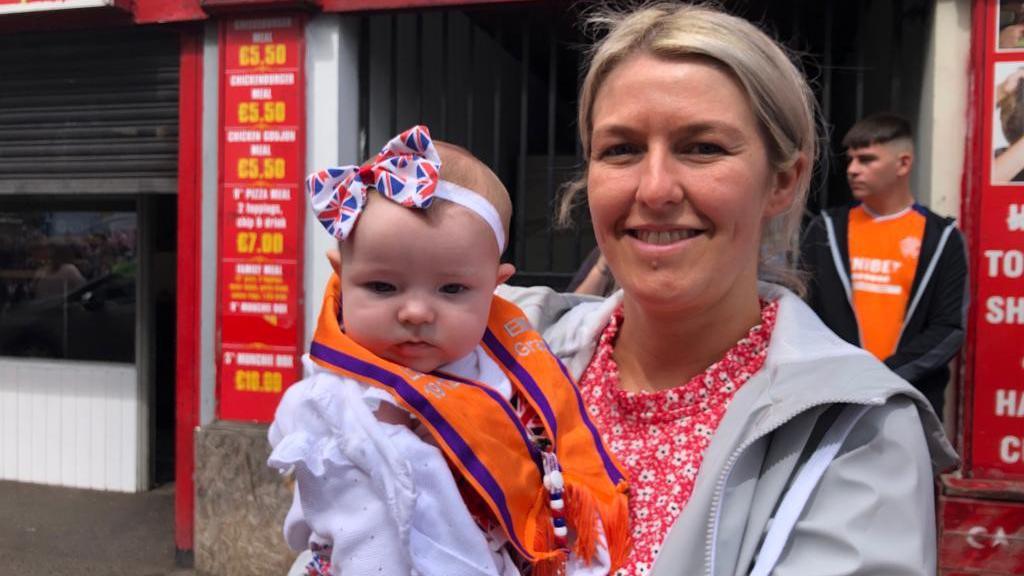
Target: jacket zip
(925, 279)
(837, 260)
(723, 479)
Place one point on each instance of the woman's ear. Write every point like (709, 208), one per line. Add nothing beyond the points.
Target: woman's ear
(783, 191)
(334, 257)
(505, 271)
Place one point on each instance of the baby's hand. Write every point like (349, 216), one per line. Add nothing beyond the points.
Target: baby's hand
(392, 414)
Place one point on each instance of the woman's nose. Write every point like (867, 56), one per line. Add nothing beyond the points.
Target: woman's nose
(658, 185)
(415, 311)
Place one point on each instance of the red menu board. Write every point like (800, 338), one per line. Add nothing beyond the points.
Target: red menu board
(261, 214)
(18, 6)
(996, 367)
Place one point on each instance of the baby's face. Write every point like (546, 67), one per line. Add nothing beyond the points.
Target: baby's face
(417, 290)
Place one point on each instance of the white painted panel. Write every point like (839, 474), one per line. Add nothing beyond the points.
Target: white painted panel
(26, 433)
(50, 432)
(70, 423)
(112, 438)
(80, 402)
(328, 52)
(97, 447)
(119, 434)
(210, 211)
(8, 417)
(942, 118)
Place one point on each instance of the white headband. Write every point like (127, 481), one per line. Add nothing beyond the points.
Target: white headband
(452, 192)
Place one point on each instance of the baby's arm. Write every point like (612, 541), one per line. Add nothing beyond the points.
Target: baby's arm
(343, 509)
(353, 492)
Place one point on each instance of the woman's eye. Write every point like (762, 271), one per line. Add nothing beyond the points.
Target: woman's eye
(617, 150)
(706, 149)
(453, 289)
(380, 287)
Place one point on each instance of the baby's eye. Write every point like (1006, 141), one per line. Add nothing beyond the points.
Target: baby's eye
(453, 289)
(380, 287)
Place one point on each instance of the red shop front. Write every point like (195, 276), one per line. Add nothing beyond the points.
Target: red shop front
(982, 506)
(248, 129)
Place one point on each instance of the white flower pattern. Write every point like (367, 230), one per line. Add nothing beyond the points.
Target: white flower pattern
(660, 437)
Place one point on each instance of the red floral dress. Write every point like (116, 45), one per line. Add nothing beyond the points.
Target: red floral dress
(660, 437)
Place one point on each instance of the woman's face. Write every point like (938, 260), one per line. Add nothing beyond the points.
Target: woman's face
(679, 183)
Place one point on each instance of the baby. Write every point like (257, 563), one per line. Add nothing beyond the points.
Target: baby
(435, 433)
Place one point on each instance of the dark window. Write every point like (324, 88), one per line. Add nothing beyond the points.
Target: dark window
(67, 279)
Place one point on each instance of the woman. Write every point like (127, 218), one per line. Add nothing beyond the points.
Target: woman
(723, 395)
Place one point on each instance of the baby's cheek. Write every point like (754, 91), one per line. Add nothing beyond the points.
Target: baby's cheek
(469, 329)
(364, 326)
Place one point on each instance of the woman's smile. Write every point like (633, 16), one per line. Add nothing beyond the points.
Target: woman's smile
(664, 235)
(654, 245)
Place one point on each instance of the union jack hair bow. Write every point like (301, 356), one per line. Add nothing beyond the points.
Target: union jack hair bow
(405, 171)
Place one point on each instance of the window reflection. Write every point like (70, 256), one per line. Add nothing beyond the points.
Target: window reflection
(67, 283)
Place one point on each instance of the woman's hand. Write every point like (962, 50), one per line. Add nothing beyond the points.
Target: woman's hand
(597, 279)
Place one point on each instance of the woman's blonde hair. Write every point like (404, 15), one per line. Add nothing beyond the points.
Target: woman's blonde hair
(778, 92)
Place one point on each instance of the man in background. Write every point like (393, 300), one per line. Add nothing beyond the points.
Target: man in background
(886, 273)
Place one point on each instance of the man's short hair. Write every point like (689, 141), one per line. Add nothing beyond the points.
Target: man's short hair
(878, 129)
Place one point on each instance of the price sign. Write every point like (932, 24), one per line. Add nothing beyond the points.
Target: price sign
(261, 214)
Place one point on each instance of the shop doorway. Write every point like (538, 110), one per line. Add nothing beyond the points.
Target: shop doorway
(88, 177)
(87, 333)
(163, 216)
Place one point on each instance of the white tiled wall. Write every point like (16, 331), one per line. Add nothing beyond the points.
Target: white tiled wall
(71, 424)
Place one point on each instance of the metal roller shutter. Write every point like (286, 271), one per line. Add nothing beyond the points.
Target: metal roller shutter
(89, 112)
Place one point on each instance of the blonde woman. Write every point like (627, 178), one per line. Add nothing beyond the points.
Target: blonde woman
(756, 440)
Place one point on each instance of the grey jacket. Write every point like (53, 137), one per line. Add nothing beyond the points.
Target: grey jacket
(872, 511)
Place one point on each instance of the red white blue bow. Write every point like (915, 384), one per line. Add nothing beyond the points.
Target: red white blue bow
(405, 171)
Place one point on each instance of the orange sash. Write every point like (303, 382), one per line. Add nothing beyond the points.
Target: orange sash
(486, 443)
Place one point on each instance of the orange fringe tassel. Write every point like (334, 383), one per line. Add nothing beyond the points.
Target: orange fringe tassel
(584, 510)
(552, 564)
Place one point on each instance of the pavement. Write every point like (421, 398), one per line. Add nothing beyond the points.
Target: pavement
(54, 531)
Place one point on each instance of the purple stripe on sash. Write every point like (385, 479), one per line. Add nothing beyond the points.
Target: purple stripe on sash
(510, 363)
(448, 434)
(500, 401)
(495, 346)
(610, 468)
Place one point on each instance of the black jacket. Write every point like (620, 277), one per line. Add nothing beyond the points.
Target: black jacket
(933, 329)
